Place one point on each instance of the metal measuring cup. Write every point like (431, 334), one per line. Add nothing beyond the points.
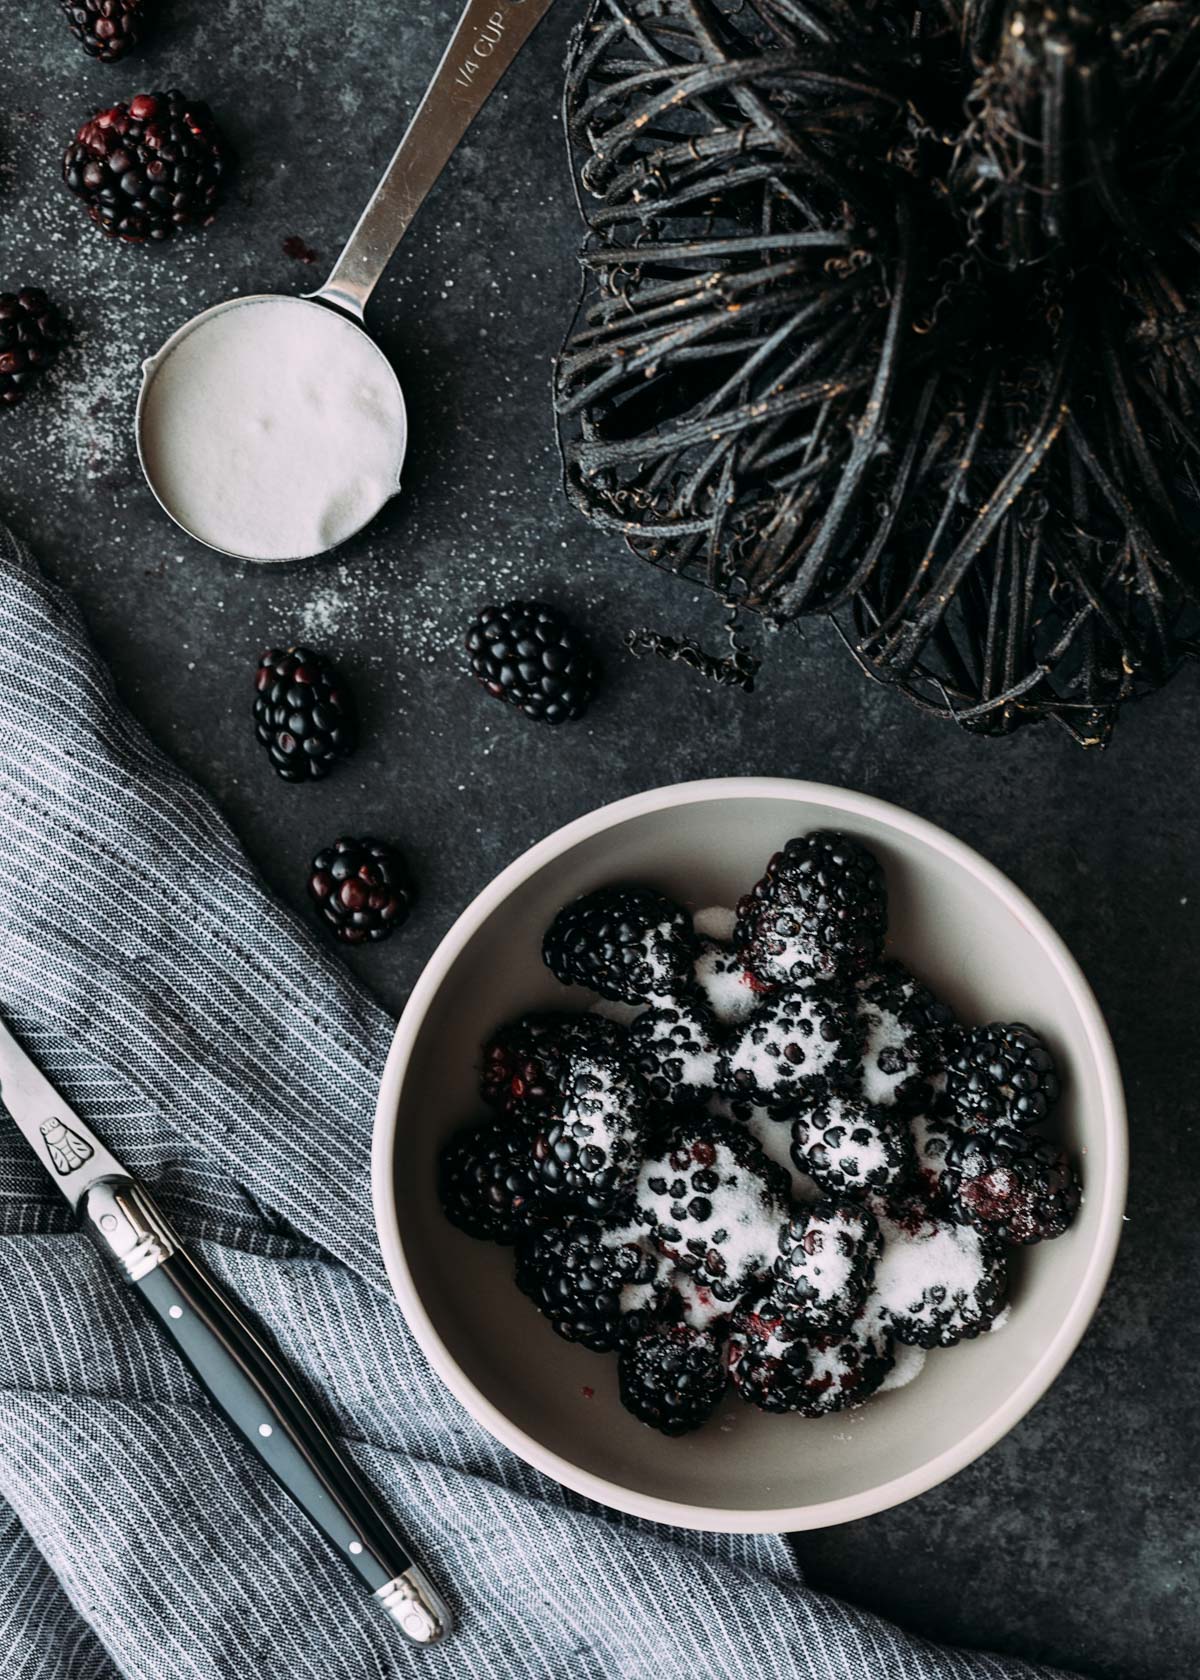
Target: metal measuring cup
(487, 38)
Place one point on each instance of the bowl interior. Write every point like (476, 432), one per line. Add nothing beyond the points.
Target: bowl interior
(978, 947)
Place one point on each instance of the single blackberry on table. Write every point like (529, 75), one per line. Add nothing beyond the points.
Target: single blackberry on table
(589, 1155)
(362, 889)
(826, 1260)
(528, 655)
(936, 1282)
(107, 29)
(150, 167)
(486, 1183)
(526, 1063)
(629, 943)
(672, 1377)
(1013, 1186)
(714, 1205)
(594, 1284)
(818, 913)
(304, 714)
(800, 1043)
(674, 1048)
(32, 332)
(904, 1028)
(847, 1144)
(809, 1376)
(1000, 1074)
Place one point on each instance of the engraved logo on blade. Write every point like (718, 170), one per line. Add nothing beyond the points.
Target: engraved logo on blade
(65, 1148)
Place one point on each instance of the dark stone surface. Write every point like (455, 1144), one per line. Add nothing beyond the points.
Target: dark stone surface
(1076, 1539)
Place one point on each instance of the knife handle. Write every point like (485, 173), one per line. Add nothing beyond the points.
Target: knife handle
(248, 1381)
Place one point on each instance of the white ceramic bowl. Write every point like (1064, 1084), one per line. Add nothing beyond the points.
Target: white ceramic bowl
(963, 927)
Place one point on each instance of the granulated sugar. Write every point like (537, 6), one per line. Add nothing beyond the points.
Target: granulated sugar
(721, 976)
(274, 429)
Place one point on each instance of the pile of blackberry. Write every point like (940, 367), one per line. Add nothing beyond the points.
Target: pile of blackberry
(763, 1162)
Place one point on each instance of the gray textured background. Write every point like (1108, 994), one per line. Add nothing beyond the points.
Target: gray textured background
(1076, 1539)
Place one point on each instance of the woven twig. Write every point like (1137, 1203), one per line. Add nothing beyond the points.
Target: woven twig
(888, 320)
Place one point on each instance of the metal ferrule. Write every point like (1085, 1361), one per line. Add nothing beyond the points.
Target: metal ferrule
(415, 1604)
(131, 1225)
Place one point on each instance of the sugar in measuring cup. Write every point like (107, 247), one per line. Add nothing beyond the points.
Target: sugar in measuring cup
(273, 428)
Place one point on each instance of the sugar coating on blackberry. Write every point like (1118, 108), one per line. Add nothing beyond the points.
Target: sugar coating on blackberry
(799, 1042)
(150, 167)
(770, 1127)
(32, 332)
(902, 1024)
(673, 1377)
(807, 1376)
(720, 976)
(850, 1145)
(362, 888)
(304, 713)
(826, 1261)
(818, 913)
(587, 1157)
(578, 1274)
(695, 1303)
(529, 655)
(1001, 1075)
(714, 1204)
(629, 943)
(526, 1063)
(935, 1140)
(936, 1282)
(674, 1048)
(1013, 1186)
(486, 1183)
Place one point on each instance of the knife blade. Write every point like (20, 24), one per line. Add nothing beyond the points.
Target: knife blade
(230, 1355)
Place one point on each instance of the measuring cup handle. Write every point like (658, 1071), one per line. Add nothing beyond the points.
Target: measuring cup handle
(489, 36)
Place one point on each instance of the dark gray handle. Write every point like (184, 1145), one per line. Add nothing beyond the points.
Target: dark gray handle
(489, 36)
(249, 1382)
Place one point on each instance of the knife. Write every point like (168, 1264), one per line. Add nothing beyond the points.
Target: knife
(230, 1355)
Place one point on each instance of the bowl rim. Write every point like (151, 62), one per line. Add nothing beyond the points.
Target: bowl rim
(779, 1519)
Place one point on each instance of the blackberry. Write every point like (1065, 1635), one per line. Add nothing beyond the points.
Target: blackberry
(810, 1376)
(525, 1064)
(629, 943)
(771, 1129)
(847, 1144)
(826, 1260)
(304, 715)
(1001, 1074)
(32, 332)
(487, 1184)
(362, 889)
(590, 1155)
(150, 167)
(672, 1377)
(936, 1282)
(529, 655)
(714, 1204)
(720, 976)
(904, 1027)
(1014, 1187)
(591, 1283)
(106, 29)
(674, 1049)
(798, 1044)
(818, 913)
(935, 1141)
